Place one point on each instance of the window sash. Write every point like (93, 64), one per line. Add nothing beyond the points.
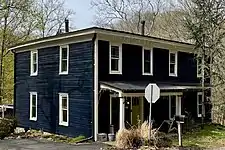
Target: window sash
(200, 105)
(173, 63)
(34, 63)
(33, 106)
(64, 60)
(63, 109)
(147, 61)
(115, 59)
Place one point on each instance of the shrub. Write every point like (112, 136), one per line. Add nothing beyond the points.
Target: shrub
(7, 127)
(138, 136)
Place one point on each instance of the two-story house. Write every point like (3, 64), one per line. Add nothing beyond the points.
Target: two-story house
(78, 83)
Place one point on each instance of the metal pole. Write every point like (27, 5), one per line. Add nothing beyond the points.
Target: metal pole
(150, 115)
(179, 133)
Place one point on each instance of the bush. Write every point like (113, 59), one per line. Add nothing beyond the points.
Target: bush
(7, 127)
(136, 137)
(127, 139)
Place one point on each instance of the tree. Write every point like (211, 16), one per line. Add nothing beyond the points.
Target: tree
(205, 20)
(127, 14)
(22, 20)
(50, 15)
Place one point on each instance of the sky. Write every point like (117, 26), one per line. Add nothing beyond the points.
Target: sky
(84, 13)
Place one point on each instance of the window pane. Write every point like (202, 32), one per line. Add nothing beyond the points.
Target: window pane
(34, 100)
(147, 67)
(34, 57)
(147, 55)
(115, 64)
(173, 106)
(34, 68)
(172, 58)
(199, 99)
(200, 109)
(64, 115)
(172, 68)
(64, 53)
(64, 65)
(33, 111)
(64, 102)
(115, 51)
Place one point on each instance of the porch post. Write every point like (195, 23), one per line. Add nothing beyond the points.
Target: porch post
(110, 110)
(122, 111)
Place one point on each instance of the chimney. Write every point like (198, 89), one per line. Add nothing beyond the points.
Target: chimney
(66, 25)
(143, 27)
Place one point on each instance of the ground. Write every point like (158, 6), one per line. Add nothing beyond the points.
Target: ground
(37, 144)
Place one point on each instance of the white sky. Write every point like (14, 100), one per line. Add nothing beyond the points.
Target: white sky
(84, 13)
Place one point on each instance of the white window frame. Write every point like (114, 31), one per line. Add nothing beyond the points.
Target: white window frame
(175, 69)
(61, 122)
(32, 73)
(143, 61)
(31, 104)
(178, 105)
(120, 59)
(60, 60)
(199, 75)
(198, 104)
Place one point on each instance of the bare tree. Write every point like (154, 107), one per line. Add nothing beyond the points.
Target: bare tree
(50, 16)
(127, 14)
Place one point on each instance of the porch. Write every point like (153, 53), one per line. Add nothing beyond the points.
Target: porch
(122, 104)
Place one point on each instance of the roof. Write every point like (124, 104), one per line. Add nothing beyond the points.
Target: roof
(139, 86)
(90, 30)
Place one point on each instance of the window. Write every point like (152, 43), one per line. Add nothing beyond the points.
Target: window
(115, 63)
(173, 64)
(147, 62)
(172, 104)
(199, 67)
(64, 60)
(63, 109)
(34, 63)
(33, 106)
(200, 105)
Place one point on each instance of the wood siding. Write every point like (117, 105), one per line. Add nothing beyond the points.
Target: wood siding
(48, 83)
(132, 65)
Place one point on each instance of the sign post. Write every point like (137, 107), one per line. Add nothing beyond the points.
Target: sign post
(152, 94)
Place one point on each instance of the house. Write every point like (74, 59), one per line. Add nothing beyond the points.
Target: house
(78, 83)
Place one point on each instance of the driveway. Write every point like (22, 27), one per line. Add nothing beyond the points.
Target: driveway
(37, 144)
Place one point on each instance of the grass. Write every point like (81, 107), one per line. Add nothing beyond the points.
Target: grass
(65, 139)
(212, 135)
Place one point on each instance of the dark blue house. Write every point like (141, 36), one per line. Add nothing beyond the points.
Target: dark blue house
(78, 83)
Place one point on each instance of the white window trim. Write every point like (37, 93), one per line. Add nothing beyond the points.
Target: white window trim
(178, 105)
(173, 74)
(120, 59)
(198, 114)
(32, 61)
(31, 94)
(61, 122)
(60, 60)
(143, 62)
(198, 75)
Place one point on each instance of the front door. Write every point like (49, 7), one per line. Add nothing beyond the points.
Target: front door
(136, 117)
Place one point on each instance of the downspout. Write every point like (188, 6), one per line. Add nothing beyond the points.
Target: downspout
(14, 89)
(93, 79)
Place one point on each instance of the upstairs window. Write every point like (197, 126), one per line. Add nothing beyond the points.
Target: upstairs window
(63, 109)
(115, 63)
(200, 105)
(33, 106)
(147, 60)
(199, 67)
(34, 63)
(64, 60)
(172, 63)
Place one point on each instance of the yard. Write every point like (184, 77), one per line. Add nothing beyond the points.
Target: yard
(211, 136)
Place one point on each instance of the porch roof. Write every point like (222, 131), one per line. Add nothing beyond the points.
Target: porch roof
(139, 86)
